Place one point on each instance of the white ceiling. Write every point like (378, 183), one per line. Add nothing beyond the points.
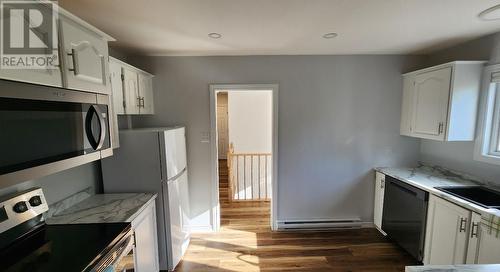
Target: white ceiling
(286, 27)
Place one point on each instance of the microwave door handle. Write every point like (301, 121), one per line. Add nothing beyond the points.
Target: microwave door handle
(102, 127)
(96, 144)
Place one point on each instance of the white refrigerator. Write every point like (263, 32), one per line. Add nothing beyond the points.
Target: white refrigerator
(153, 160)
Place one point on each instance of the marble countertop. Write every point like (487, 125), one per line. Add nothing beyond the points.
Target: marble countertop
(103, 208)
(427, 177)
(455, 268)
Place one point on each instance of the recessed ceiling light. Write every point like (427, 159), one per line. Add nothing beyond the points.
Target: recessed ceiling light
(330, 35)
(214, 35)
(490, 14)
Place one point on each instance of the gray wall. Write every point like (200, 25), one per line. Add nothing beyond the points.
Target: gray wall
(459, 155)
(58, 186)
(338, 118)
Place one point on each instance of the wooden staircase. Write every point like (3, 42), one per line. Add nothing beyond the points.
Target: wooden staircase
(223, 182)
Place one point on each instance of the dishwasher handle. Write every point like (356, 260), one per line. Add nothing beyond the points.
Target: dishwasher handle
(416, 192)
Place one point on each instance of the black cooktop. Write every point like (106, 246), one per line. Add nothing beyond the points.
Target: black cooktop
(61, 247)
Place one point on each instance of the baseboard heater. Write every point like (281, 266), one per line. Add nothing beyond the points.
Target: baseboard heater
(320, 224)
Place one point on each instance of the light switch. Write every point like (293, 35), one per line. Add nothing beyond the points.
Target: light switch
(205, 137)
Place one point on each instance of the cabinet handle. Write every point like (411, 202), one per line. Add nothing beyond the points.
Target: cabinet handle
(474, 230)
(74, 61)
(440, 127)
(463, 224)
(382, 184)
(140, 102)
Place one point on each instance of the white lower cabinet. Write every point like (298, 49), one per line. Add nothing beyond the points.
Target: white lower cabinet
(473, 246)
(146, 241)
(379, 200)
(449, 238)
(489, 245)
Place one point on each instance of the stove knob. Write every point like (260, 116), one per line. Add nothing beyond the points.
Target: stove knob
(35, 201)
(20, 207)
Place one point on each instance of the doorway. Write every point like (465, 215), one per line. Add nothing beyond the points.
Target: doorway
(244, 162)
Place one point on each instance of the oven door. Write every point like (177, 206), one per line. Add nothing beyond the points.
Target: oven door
(120, 258)
(44, 130)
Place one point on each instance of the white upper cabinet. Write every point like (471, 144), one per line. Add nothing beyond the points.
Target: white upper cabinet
(50, 75)
(115, 73)
(132, 88)
(146, 93)
(430, 103)
(406, 105)
(85, 57)
(440, 103)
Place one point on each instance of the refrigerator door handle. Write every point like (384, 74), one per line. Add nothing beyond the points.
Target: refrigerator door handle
(178, 175)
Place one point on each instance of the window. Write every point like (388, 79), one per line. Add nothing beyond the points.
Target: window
(488, 140)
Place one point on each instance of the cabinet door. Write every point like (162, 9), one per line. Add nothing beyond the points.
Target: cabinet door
(146, 93)
(432, 91)
(48, 76)
(115, 71)
(379, 199)
(146, 247)
(407, 105)
(85, 57)
(446, 234)
(473, 245)
(131, 91)
(489, 245)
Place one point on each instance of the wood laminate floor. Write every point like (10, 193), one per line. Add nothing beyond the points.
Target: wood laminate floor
(246, 243)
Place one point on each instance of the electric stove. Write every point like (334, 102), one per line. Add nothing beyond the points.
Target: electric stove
(28, 244)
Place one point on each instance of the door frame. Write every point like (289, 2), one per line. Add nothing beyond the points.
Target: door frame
(217, 108)
(214, 88)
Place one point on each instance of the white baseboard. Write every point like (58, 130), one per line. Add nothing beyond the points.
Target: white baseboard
(322, 224)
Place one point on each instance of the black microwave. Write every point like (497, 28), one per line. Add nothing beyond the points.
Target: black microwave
(44, 130)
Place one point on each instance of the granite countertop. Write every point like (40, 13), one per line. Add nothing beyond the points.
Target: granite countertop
(103, 208)
(455, 268)
(427, 177)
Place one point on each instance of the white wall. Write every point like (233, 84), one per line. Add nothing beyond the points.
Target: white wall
(459, 155)
(251, 131)
(250, 121)
(338, 118)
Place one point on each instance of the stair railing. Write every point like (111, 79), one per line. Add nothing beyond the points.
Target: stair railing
(249, 176)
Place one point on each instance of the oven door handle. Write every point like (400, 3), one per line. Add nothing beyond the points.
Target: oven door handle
(96, 144)
(124, 251)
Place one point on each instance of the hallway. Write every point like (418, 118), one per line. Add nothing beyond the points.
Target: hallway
(246, 243)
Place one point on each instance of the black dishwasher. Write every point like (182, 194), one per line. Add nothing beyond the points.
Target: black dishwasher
(404, 215)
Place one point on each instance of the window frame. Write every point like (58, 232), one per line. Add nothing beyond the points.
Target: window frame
(488, 137)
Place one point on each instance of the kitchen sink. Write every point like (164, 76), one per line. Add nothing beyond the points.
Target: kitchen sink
(479, 195)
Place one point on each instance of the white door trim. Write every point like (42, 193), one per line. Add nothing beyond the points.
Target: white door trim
(214, 88)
